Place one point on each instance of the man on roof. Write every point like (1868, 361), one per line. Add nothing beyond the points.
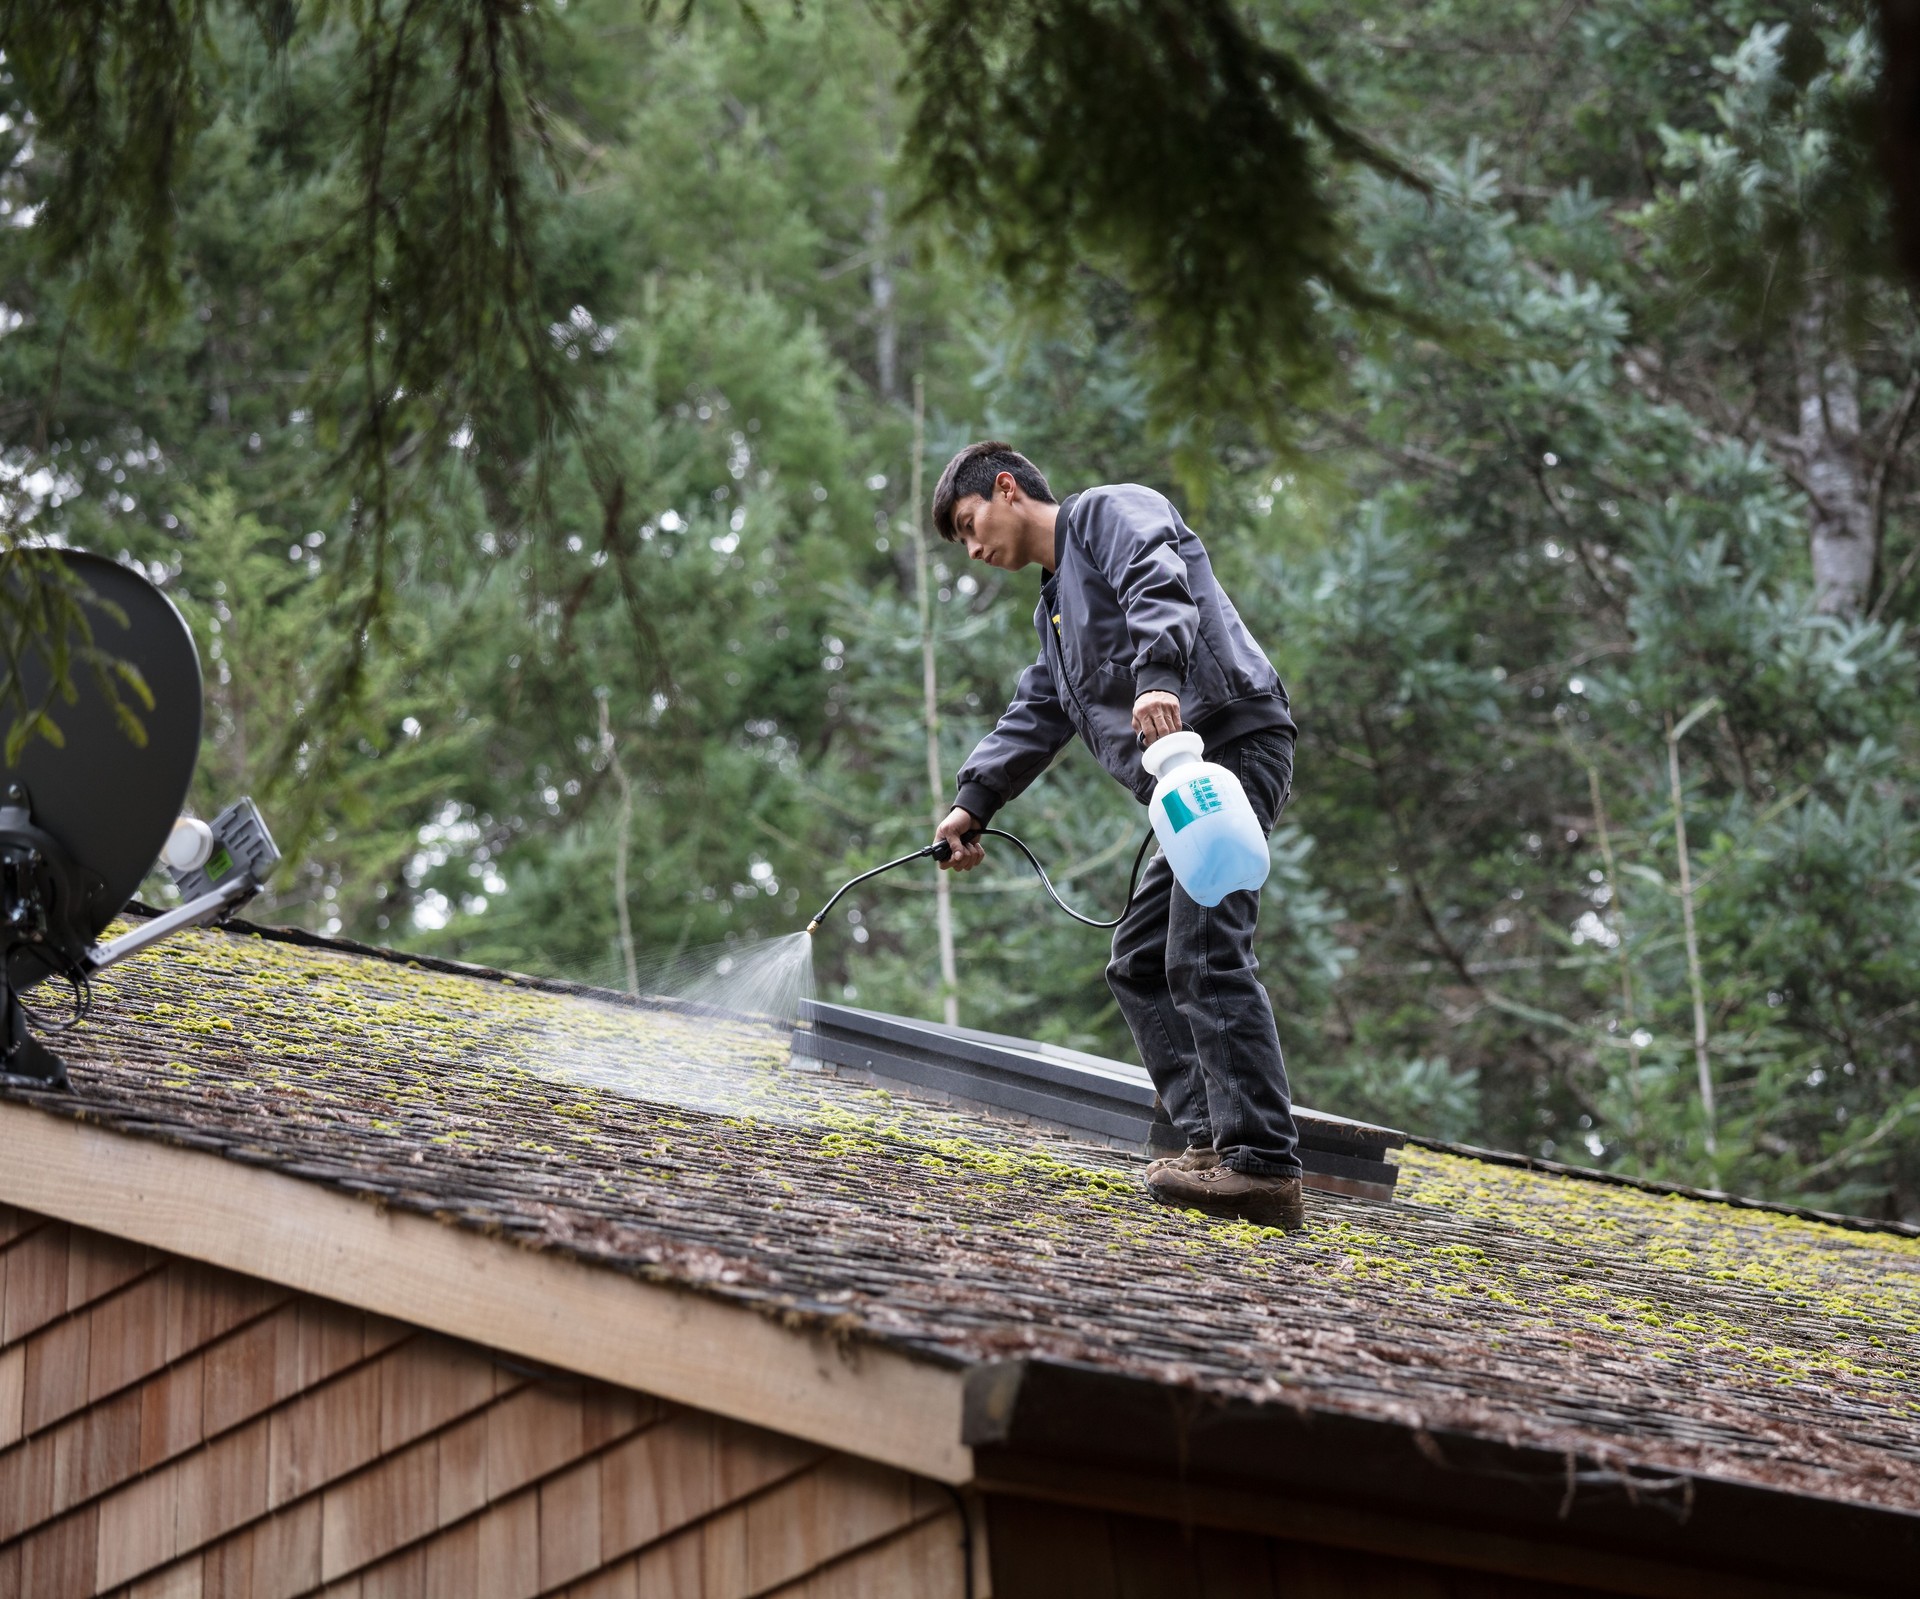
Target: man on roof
(1138, 640)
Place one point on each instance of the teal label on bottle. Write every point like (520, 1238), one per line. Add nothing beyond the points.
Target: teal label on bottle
(1190, 802)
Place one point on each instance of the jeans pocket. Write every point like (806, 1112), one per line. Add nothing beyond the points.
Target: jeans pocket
(1264, 764)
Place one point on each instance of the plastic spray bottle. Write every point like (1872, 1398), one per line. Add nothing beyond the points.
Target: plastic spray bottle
(1206, 827)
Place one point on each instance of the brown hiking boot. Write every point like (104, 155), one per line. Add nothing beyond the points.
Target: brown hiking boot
(1189, 1159)
(1222, 1191)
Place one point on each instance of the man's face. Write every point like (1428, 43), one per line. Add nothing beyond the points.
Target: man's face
(991, 529)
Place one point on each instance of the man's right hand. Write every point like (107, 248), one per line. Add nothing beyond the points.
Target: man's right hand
(954, 831)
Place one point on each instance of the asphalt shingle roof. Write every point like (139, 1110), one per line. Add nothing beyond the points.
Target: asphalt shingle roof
(1648, 1330)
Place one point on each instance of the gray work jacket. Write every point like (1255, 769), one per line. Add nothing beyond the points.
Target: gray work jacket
(1131, 605)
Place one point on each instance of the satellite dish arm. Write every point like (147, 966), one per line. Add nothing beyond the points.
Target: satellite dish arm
(220, 865)
(208, 907)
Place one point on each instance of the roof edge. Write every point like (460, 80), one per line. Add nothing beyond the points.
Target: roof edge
(772, 1366)
(1647, 1185)
(1092, 1436)
(300, 938)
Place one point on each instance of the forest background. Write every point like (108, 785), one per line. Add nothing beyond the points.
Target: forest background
(1572, 496)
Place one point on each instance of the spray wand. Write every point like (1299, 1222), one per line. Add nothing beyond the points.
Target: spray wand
(942, 850)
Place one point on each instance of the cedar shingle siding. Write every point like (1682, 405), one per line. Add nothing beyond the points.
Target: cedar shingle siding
(171, 1431)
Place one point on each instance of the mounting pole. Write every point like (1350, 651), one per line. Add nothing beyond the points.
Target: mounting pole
(23, 1058)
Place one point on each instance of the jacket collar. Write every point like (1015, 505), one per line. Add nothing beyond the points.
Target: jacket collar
(1059, 539)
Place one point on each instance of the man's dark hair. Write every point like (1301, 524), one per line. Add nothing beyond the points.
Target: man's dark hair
(972, 472)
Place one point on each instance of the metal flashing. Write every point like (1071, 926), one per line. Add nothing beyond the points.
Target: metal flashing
(1068, 1090)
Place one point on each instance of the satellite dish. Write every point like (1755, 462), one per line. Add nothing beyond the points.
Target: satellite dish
(82, 821)
(105, 798)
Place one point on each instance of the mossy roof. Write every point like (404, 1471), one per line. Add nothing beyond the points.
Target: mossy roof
(1654, 1330)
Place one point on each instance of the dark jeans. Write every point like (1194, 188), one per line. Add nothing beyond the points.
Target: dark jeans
(1190, 989)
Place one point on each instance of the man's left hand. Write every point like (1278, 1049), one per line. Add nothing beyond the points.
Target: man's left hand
(1156, 713)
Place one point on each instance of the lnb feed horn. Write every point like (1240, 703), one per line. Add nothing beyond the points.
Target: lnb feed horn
(85, 817)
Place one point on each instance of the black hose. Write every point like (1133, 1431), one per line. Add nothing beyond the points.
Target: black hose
(1039, 871)
(929, 853)
(942, 850)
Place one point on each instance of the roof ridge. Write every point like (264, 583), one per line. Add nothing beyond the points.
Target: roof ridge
(300, 938)
(1648, 1185)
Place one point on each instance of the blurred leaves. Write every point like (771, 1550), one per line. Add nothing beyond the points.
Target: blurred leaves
(47, 643)
(1782, 193)
(1167, 144)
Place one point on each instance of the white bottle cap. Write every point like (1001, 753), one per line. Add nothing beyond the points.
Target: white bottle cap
(1171, 750)
(189, 846)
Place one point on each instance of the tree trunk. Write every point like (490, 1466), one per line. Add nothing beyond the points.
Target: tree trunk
(623, 847)
(1837, 475)
(886, 333)
(930, 709)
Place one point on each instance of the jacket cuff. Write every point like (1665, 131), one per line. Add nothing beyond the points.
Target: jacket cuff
(978, 802)
(1153, 676)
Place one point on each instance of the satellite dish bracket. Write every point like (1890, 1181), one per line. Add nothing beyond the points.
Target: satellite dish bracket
(209, 907)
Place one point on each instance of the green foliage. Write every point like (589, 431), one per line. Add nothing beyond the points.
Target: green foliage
(422, 249)
(1163, 142)
(1784, 194)
(432, 142)
(1424, 1093)
(1565, 545)
(350, 806)
(119, 88)
(46, 637)
(388, 171)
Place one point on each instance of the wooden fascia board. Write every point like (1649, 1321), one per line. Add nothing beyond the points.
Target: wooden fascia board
(691, 1348)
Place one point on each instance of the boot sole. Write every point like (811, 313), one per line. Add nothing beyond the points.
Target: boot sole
(1261, 1212)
